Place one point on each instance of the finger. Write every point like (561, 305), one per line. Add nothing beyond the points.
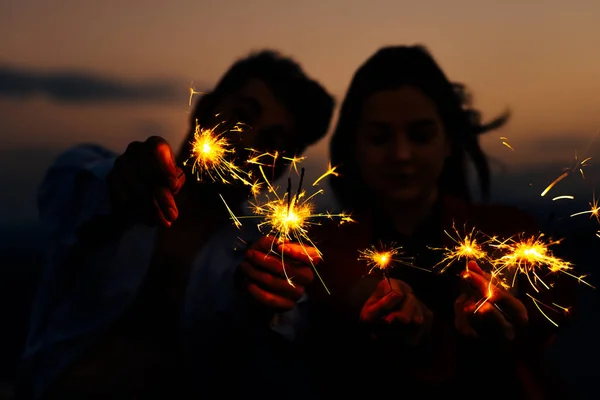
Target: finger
(398, 286)
(272, 283)
(274, 265)
(267, 244)
(461, 316)
(473, 266)
(303, 254)
(410, 312)
(180, 180)
(134, 149)
(270, 299)
(158, 216)
(487, 312)
(163, 156)
(376, 308)
(166, 203)
(481, 285)
(494, 294)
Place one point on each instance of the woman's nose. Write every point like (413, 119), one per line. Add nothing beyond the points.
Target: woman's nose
(401, 148)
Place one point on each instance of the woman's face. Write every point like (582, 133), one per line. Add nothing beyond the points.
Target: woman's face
(401, 145)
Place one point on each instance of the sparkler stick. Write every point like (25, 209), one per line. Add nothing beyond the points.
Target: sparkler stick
(288, 218)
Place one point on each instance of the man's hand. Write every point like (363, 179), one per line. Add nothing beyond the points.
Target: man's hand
(143, 182)
(500, 310)
(265, 277)
(397, 311)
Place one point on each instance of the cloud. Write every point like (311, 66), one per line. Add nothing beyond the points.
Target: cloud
(81, 86)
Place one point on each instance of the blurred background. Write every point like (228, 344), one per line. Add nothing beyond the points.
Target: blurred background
(111, 72)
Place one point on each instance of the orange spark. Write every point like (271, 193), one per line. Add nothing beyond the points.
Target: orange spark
(594, 210)
(288, 216)
(384, 257)
(505, 143)
(471, 247)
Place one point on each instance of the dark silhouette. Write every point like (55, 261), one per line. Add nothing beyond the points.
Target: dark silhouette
(128, 339)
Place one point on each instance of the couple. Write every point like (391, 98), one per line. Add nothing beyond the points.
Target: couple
(150, 292)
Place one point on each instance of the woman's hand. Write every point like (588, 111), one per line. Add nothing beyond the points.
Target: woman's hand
(397, 312)
(500, 311)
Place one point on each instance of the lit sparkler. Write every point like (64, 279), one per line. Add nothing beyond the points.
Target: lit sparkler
(471, 247)
(288, 216)
(532, 258)
(384, 257)
(213, 154)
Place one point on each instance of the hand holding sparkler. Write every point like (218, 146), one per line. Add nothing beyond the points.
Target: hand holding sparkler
(265, 277)
(487, 304)
(398, 307)
(144, 181)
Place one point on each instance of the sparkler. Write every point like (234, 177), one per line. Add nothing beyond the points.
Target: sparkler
(527, 256)
(531, 257)
(471, 247)
(383, 258)
(213, 154)
(288, 216)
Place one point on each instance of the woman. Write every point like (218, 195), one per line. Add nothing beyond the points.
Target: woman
(404, 136)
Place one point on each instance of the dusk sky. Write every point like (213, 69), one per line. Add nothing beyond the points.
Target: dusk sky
(138, 58)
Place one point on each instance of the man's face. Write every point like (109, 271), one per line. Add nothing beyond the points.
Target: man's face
(266, 125)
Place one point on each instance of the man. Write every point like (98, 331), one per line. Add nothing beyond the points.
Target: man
(133, 285)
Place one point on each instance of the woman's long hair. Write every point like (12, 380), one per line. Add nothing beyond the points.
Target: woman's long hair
(391, 68)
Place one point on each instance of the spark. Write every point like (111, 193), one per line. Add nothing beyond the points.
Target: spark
(577, 167)
(554, 307)
(594, 210)
(330, 171)
(384, 257)
(505, 142)
(563, 198)
(530, 257)
(533, 258)
(288, 216)
(471, 247)
(213, 154)
(192, 94)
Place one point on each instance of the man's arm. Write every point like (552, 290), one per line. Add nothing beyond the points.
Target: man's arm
(74, 190)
